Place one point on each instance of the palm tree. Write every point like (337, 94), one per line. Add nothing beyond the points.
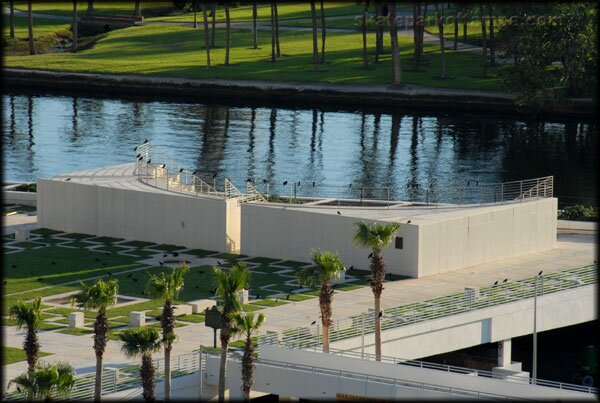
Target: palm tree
(27, 316)
(442, 46)
(206, 35)
(376, 236)
(143, 342)
(74, 45)
(248, 325)
(363, 27)
(254, 16)
(273, 40)
(100, 296)
(167, 286)
(12, 19)
(48, 381)
(276, 28)
(456, 14)
(313, 15)
(397, 72)
(323, 33)
(195, 8)
(327, 266)
(492, 41)
(90, 6)
(213, 14)
(228, 285)
(228, 33)
(30, 27)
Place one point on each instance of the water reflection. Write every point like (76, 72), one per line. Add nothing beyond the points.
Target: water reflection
(412, 154)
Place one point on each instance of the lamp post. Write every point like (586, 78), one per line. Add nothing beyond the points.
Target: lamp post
(534, 363)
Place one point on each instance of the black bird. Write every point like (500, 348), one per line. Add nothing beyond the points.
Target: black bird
(380, 314)
(53, 262)
(496, 283)
(157, 317)
(40, 279)
(313, 183)
(351, 267)
(4, 282)
(505, 280)
(103, 264)
(142, 292)
(14, 266)
(219, 263)
(285, 183)
(339, 212)
(180, 170)
(68, 179)
(175, 254)
(145, 141)
(540, 273)
(408, 222)
(200, 272)
(140, 158)
(161, 263)
(298, 183)
(350, 186)
(265, 181)
(197, 286)
(107, 253)
(214, 176)
(370, 255)
(97, 260)
(288, 296)
(149, 161)
(135, 279)
(257, 296)
(109, 273)
(135, 149)
(213, 291)
(130, 274)
(163, 166)
(18, 389)
(165, 255)
(313, 322)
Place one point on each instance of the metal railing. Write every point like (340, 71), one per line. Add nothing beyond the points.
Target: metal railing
(310, 337)
(157, 169)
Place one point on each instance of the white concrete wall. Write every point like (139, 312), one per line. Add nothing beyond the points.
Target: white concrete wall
(464, 330)
(22, 198)
(437, 244)
(233, 225)
(132, 214)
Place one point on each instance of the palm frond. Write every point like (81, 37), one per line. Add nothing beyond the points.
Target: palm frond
(140, 341)
(327, 266)
(375, 235)
(167, 285)
(27, 314)
(229, 284)
(100, 295)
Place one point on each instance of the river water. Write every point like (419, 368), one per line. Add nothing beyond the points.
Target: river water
(49, 134)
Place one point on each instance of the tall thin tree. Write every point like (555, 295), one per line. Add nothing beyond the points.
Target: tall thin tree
(440, 23)
(416, 34)
(30, 27)
(90, 7)
(376, 236)
(167, 286)
(248, 324)
(483, 39)
(74, 24)
(228, 285)
(227, 32)
(27, 316)
(313, 15)
(254, 18)
(12, 19)
(327, 267)
(492, 41)
(378, 31)
(143, 342)
(272, 31)
(101, 295)
(363, 27)
(465, 20)
(276, 28)
(195, 8)
(137, 12)
(396, 69)
(323, 33)
(456, 14)
(206, 35)
(213, 11)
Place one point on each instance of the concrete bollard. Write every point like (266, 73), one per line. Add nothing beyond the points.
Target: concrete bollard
(243, 296)
(340, 278)
(200, 305)
(137, 319)
(181, 310)
(22, 235)
(76, 319)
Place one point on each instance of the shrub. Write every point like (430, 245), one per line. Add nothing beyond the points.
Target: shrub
(578, 212)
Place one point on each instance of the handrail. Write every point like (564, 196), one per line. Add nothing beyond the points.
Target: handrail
(309, 337)
(155, 168)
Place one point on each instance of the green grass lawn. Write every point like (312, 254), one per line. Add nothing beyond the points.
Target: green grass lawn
(175, 51)
(41, 27)
(124, 8)
(10, 355)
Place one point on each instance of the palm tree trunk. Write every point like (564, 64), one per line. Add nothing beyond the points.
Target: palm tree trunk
(138, 9)
(74, 23)
(492, 42)
(377, 25)
(483, 39)
(323, 29)
(276, 29)
(422, 29)
(206, 35)
(214, 22)
(313, 15)
(247, 369)
(272, 32)
(223, 367)
(90, 6)
(148, 374)
(12, 19)
(168, 349)
(397, 72)
(195, 6)
(326, 339)
(465, 18)
(98, 380)
(442, 46)
(456, 28)
(254, 34)
(100, 332)
(30, 28)
(364, 35)
(416, 34)
(228, 33)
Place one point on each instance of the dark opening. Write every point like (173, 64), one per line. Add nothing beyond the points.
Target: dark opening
(399, 242)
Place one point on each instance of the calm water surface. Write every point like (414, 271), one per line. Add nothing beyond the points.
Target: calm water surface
(45, 135)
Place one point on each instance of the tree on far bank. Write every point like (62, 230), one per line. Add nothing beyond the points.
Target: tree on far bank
(254, 31)
(228, 32)
(206, 35)
(323, 33)
(137, 12)
(396, 69)
(90, 6)
(313, 15)
(11, 21)
(363, 29)
(74, 25)
(442, 45)
(30, 27)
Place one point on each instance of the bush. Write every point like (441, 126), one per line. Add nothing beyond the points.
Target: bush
(578, 212)
(26, 187)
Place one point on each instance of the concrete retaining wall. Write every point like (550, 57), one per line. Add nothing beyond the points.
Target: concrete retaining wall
(22, 198)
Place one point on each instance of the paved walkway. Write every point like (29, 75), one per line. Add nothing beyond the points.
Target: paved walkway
(571, 251)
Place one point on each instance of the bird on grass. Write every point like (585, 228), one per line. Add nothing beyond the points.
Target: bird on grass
(496, 283)
(107, 253)
(351, 267)
(135, 279)
(197, 286)
(219, 263)
(4, 282)
(97, 260)
(14, 266)
(175, 254)
(313, 322)
(288, 296)
(103, 264)
(161, 263)
(40, 279)
(53, 263)
(165, 255)
(257, 296)
(130, 274)
(109, 274)
(142, 292)
(505, 280)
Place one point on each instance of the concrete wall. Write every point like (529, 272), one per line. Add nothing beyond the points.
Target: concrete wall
(233, 225)
(132, 214)
(22, 198)
(464, 330)
(437, 244)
